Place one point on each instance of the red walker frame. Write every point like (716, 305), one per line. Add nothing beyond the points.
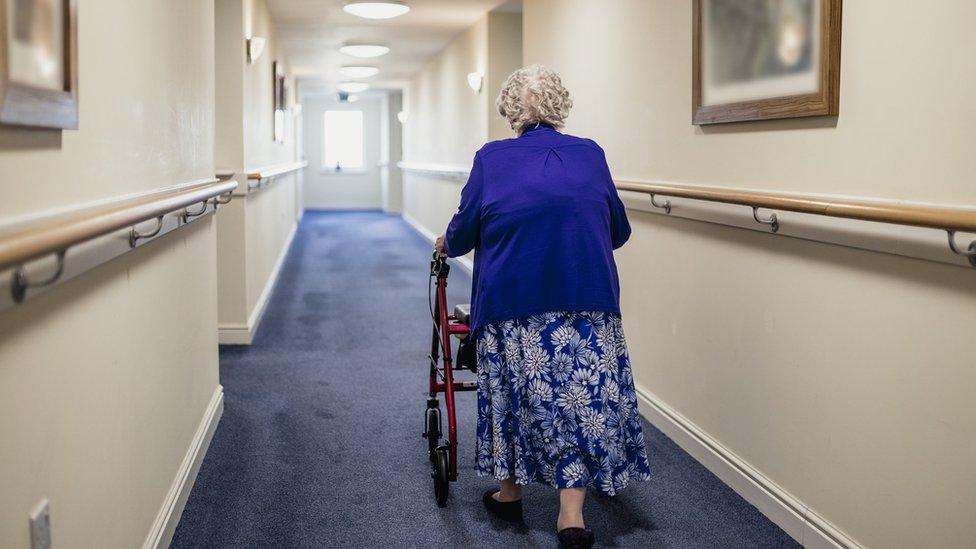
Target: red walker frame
(443, 457)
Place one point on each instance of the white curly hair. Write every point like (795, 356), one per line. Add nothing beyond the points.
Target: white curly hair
(532, 95)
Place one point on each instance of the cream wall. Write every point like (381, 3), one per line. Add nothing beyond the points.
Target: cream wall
(259, 146)
(448, 122)
(229, 67)
(504, 56)
(357, 189)
(391, 141)
(841, 375)
(105, 380)
(229, 63)
(254, 235)
(900, 133)
(270, 228)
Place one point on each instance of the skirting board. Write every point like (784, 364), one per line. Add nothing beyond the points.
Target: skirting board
(463, 262)
(230, 334)
(169, 514)
(786, 511)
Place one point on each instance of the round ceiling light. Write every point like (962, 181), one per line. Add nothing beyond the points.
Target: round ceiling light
(377, 9)
(353, 87)
(363, 49)
(358, 71)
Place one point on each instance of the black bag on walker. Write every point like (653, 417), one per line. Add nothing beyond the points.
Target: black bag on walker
(467, 354)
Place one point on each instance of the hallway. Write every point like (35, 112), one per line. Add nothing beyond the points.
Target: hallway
(319, 443)
(213, 273)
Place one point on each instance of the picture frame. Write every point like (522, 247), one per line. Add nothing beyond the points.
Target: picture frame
(280, 94)
(39, 63)
(737, 76)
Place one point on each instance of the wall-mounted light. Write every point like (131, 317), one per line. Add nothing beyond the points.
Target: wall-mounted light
(255, 47)
(358, 71)
(474, 80)
(402, 117)
(364, 49)
(353, 87)
(376, 9)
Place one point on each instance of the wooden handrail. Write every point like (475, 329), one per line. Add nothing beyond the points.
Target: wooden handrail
(946, 218)
(917, 215)
(62, 232)
(276, 170)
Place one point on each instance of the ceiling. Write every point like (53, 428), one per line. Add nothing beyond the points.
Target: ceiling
(311, 32)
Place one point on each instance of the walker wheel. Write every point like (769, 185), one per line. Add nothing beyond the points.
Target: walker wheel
(432, 431)
(441, 474)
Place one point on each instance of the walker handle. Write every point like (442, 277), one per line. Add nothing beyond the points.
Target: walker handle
(439, 266)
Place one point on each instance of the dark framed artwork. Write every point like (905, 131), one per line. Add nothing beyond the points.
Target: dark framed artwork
(39, 63)
(765, 59)
(280, 101)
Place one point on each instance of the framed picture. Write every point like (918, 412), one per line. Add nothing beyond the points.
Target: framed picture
(280, 99)
(765, 59)
(39, 63)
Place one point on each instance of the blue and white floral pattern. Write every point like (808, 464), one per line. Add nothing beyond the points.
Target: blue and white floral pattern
(556, 403)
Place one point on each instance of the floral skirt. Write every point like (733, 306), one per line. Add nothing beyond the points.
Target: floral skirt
(556, 403)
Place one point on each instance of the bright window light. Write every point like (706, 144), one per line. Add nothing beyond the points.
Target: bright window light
(377, 9)
(343, 140)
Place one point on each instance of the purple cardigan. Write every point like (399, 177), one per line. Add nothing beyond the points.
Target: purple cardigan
(543, 216)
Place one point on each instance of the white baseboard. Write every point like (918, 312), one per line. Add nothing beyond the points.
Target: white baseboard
(241, 334)
(463, 262)
(782, 508)
(163, 528)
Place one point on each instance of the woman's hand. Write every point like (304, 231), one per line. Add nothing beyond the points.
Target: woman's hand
(439, 247)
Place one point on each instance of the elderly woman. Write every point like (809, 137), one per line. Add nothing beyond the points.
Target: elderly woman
(556, 399)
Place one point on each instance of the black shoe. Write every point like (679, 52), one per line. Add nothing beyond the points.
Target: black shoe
(509, 511)
(576, 538)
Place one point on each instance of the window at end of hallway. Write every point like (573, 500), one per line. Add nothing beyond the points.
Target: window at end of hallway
(343, 141)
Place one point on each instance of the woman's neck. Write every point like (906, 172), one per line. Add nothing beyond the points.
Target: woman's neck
(536, 126)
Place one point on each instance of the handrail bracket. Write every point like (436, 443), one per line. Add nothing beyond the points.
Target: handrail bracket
(969, 253)
(666, 206)
(20, 283)
(772, 222)
(187, 214)
(135, 236)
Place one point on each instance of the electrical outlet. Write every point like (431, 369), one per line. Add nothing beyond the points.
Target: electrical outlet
(40, 526)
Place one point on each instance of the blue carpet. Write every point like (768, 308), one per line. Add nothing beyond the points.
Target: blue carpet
(320, 445)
